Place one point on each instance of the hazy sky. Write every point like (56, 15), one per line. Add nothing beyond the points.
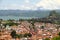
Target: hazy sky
(29, 4)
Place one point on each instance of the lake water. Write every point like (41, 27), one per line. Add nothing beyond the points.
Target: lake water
(16, 17)
(25, 16)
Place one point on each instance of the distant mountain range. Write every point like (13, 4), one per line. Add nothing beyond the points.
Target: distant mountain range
(25, 13)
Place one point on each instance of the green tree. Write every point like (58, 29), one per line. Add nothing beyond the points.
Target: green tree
(47, 39)
(19, 35)
(13, 34)
(59, 33)
(27, 35)
(42, 27)
(10, 23)
(56, 38)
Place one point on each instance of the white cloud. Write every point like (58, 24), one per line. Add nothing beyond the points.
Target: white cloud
(49, 4)
(27, 5)
(27, 1)
(15, 6)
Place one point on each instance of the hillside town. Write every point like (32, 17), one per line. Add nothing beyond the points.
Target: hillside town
(29, 19)
(28, 30)
(32, 29)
